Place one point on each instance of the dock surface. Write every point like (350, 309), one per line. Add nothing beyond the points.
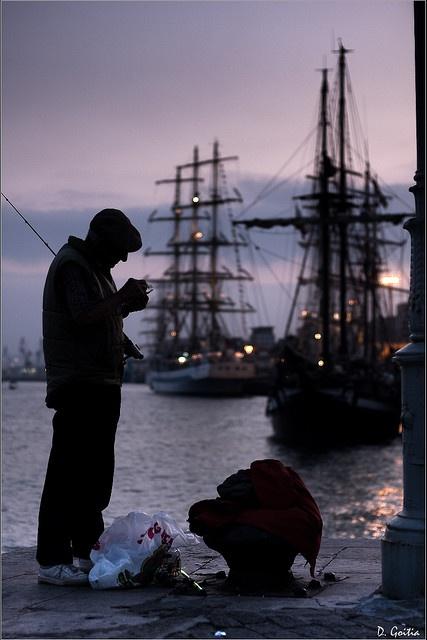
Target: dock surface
(349, 607)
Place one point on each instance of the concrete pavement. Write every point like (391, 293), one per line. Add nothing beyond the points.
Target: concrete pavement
(350, 607)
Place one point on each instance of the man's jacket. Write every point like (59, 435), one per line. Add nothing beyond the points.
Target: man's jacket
(79, 354)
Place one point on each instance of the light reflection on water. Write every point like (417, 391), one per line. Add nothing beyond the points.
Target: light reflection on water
(173, 451)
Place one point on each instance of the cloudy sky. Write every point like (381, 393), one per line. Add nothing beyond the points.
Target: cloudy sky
(100, 99)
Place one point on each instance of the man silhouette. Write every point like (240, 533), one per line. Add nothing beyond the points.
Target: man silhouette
(84, 349)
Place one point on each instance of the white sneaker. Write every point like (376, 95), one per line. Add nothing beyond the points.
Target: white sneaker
(62, 575)
(84, 564)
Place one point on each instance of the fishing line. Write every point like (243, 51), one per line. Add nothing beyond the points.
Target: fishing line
(30, 225)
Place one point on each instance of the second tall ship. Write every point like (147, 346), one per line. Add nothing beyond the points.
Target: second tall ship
(336, 381)
(193, 351)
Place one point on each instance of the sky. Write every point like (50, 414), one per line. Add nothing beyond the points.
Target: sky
(101, 99)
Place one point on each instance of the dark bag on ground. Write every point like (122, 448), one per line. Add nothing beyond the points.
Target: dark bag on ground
(264, 516)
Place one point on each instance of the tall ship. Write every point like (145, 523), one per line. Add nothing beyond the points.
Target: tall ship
(336, 382)
(193, 350)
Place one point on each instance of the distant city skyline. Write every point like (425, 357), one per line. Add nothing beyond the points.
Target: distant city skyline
(100, 99)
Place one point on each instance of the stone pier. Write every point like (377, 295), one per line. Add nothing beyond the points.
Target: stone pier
(348, 606)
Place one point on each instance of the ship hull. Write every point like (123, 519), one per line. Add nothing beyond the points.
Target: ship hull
(313, 417)
(202, 380)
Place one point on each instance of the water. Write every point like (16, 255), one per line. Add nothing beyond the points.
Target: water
(173, 451)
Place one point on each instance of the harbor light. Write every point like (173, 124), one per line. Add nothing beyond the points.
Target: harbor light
(317, 336)
(182, 359)
(248, 349)
(336, 315)
(321, 363)
(304, 313)
(389, 279)
(173, 334)
(196, 199)
(239, 355)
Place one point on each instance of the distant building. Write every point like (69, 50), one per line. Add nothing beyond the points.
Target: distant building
(24, 365)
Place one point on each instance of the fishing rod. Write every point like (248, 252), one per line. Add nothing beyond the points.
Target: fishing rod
(30, 225)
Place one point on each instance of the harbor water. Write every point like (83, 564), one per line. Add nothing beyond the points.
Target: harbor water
(172, 451)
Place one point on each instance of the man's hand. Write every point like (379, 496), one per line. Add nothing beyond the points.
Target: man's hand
(133, 295)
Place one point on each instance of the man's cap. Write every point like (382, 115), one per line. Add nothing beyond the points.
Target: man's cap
(114, 228)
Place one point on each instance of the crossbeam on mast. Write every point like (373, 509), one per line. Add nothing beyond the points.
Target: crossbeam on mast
(267, 223)
(199, 163)
(209, 203)
(175, 180)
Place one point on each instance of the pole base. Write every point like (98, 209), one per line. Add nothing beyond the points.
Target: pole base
(402, 554)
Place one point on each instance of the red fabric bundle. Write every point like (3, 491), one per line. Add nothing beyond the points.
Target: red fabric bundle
(286, 509)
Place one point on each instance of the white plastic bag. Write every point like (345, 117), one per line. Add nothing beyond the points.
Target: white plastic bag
(128, 542)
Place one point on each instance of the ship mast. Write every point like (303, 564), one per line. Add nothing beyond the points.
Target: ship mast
(194, 253)
(193, 306)
(370, 263)
(324, 222)
(333, 203)
(212, 244)
(176, 253)
(214, 250)
(367, 264)
(176, 211)
(343, 204)
(177, 219)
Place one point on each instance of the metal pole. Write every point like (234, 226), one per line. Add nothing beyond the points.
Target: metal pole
(403, 543)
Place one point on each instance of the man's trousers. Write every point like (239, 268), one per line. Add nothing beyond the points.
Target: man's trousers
(79, 477)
